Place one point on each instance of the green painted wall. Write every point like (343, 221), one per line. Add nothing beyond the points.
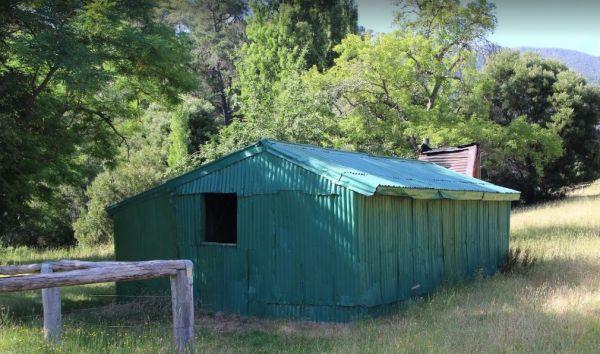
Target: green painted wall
(145, 230)
(408, 247)
(308, 248)
(295, 255)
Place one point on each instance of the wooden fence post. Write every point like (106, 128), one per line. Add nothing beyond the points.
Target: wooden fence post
(182, 302)
(51, 303)
(66, 273)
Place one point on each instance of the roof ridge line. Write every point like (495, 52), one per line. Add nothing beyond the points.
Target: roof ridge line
(270, 141)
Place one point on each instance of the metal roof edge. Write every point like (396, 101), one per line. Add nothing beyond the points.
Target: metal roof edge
(425, 193)
(200, 171)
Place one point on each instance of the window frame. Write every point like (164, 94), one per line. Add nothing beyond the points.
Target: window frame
(205, 231)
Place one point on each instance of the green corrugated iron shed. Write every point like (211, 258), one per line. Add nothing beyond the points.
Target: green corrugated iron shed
(320, 234)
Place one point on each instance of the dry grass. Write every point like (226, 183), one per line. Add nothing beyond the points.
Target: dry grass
(585, 190)
(553, 307)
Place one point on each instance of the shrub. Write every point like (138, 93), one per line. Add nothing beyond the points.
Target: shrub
(517, 261)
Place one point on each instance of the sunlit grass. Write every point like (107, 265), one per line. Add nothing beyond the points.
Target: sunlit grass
(554, 307)
(22, 255)
(585, 190)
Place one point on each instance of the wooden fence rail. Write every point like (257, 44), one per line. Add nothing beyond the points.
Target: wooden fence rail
(72, 272)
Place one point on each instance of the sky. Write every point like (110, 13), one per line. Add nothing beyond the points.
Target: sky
(568, 24)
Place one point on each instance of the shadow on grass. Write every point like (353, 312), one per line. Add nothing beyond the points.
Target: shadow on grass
(26, 305)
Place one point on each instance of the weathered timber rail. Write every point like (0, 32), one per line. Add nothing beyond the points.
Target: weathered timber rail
(53, 275)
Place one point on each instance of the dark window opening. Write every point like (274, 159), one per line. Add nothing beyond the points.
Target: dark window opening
(221, 217)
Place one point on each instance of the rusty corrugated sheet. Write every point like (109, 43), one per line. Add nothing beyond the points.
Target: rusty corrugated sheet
(462, 159)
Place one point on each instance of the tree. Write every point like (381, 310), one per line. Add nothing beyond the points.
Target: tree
(191, 126)
(298, 113)
(546, 93)
(283, 40)
(69, 70)
(376, 93)
(161, 145)
(391, 90)
(139, 166)
(315, 26)
(454, 30)
(217, 28)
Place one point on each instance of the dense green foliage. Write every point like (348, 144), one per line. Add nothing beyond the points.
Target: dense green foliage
(68, 71)
(284, 39)
(217, 29)
(160, 147)
(545, 93)
(100, 100)
(585, 64)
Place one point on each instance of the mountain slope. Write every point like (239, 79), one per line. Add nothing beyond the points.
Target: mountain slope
(585, 64)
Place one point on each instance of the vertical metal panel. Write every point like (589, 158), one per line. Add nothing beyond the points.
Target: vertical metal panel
(434, 240)
(503, 229)
(472, 237)
(460, 252)
(484, 248)
(421, 262)
(143, 231)
(448, 231)
(403, 214)
(436, 247)
(303, 267)
(188, 210)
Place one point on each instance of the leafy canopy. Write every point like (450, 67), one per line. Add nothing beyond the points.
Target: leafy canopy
(68, 71)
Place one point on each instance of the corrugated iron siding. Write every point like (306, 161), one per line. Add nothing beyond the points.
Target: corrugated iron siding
(294, 255)
(308, 248)
(145, 230)
(463, 160)
(408, 247)
(455, 160)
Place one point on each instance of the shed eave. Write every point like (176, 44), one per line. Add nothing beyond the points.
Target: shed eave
(424, 193)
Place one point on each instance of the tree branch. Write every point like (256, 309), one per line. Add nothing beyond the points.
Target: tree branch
(37, 90)
(106, 120)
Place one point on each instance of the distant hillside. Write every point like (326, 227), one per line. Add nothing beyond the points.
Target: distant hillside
(585, 64)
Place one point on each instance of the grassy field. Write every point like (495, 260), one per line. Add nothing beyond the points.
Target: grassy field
(553, 307)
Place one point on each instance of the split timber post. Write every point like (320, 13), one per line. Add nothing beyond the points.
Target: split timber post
(65, 273)
(51, 303)
(182, 303)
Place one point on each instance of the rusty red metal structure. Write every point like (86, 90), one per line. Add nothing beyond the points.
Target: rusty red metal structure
(462, 159)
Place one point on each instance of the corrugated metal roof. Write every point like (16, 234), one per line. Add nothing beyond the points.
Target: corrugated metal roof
(368, 174)
(359, 172)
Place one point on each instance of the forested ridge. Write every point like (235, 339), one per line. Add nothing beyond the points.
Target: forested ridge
(100, 100)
